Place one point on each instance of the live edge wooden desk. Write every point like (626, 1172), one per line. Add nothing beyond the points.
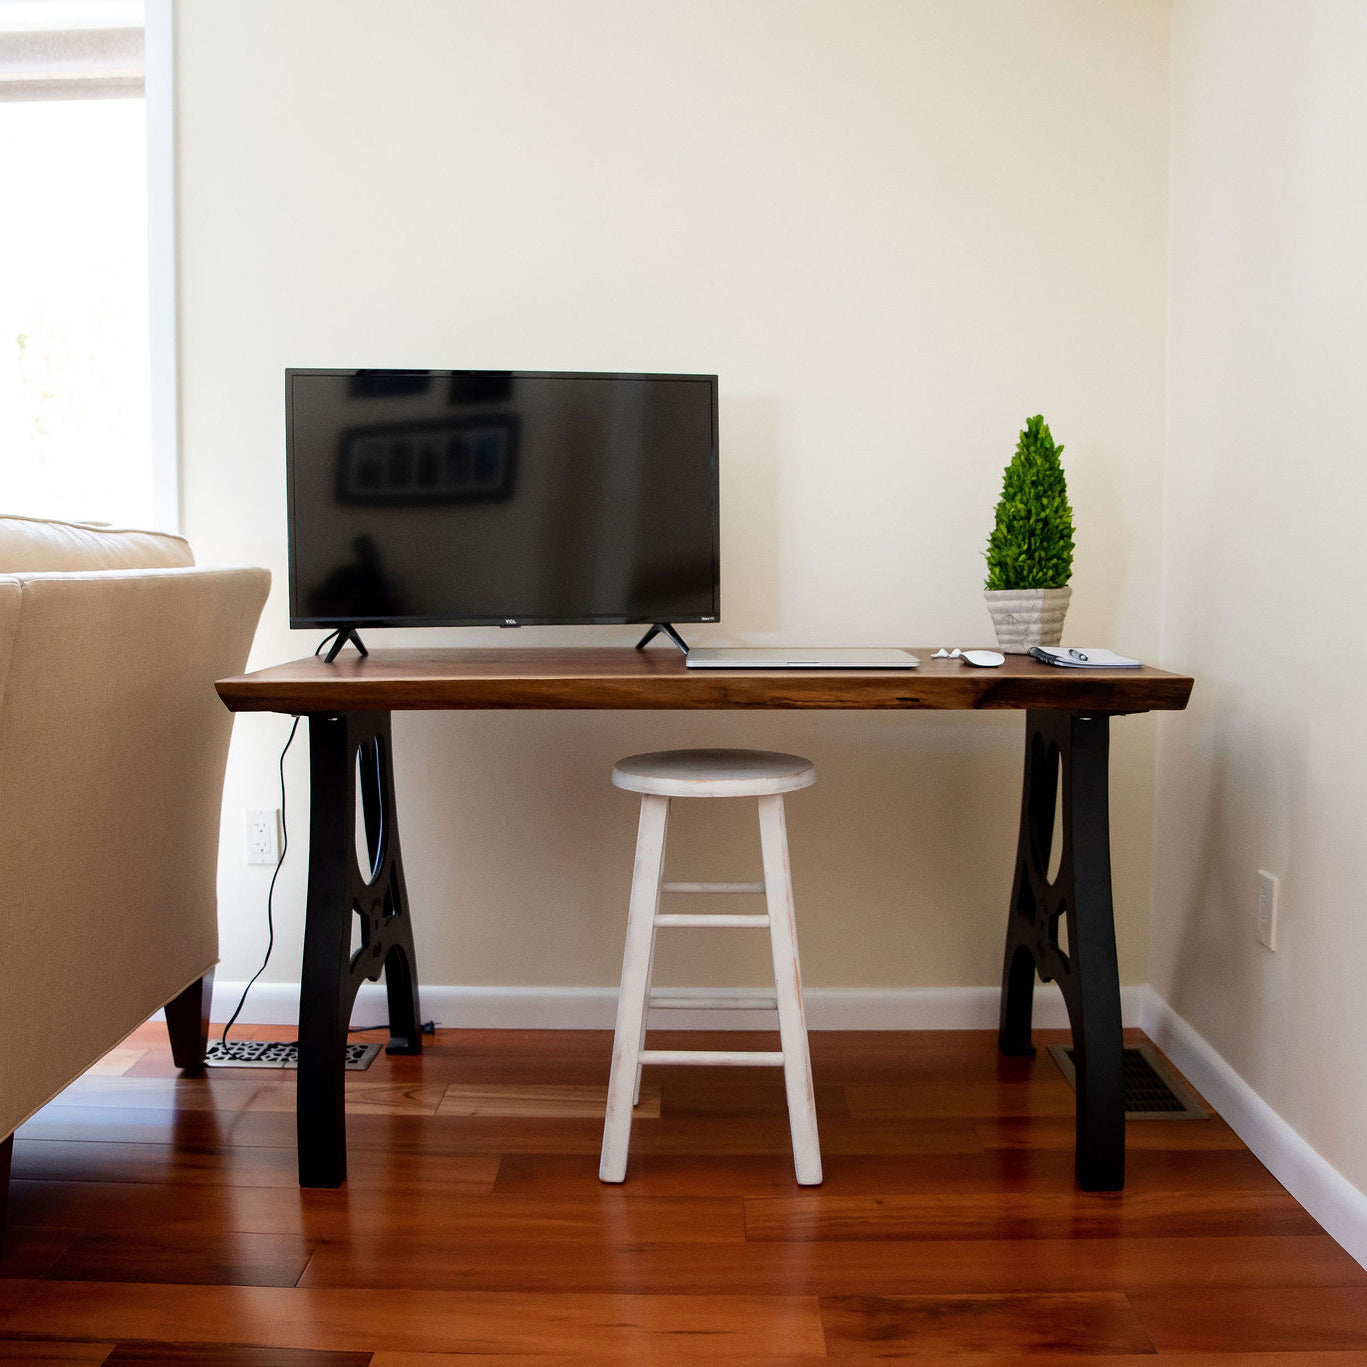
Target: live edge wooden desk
(348, 704)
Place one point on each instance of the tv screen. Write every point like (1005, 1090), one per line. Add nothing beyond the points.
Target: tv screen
(475, 497)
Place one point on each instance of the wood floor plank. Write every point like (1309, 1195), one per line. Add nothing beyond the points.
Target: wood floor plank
(185, 1256)
(720, 1133)
(161, 1124)
(656, 1161)
(1060, 1132)
(471, 1099)
(203, 1092)
(1312, 1358)
(422, 1320)
(1236, 1359)
(1299, 1318)
(490, 1071)
(1008, 1358)
(840, 1136)
(36, 1351)
(671, 1174)
(31, 1251)
(47, 1160)
(269, 1089)
(733, 1097)
(670, 1357)
(152, 1032)
(228, 1355)
(116, 1062)
(1198, 1170)
(1025, 1215)
(699, 1136)
(353, 1213)
(14, 1292)
(374, 1096)
(888, 1268)
(978, 1097)
(899, 1056)
(658, 1169)
(210, 1131)
(936, 1326)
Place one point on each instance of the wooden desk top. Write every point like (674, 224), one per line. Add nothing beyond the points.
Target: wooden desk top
(620, 677)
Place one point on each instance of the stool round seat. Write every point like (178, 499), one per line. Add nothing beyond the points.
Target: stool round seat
(714, 773)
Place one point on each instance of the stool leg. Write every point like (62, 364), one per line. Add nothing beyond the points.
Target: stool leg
(645, 1010)
(650, 976)
(792, 1023)
(631, 998)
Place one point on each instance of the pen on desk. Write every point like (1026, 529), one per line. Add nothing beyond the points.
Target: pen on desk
(1077, 654)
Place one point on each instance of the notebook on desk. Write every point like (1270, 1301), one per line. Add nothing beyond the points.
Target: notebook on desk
(788, 657)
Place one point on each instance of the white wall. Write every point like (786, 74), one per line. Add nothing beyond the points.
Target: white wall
(895, 229)
(1264, 568)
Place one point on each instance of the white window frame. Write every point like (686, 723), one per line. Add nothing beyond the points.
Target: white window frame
(163, 302)
(113, 65)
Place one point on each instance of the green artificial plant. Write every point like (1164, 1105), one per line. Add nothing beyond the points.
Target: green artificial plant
(1031, 546)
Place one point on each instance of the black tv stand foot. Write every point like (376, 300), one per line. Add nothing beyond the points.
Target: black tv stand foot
(667, 630)
(343, 635)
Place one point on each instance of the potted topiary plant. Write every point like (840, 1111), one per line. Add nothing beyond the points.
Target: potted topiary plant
(1030, 551)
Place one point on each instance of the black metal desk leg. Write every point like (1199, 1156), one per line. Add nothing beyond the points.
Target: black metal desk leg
(1075, 746)
(343, 748)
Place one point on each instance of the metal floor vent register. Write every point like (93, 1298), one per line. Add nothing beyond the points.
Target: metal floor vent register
(272, 1053)
(1152, 1090)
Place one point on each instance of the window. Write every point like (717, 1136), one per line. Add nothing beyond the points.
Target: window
(75, 385)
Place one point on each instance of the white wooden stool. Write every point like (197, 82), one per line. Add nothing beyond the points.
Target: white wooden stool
(710, 773)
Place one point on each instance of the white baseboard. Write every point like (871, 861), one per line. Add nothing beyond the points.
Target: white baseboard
(595, 1008)
(1338, 1205)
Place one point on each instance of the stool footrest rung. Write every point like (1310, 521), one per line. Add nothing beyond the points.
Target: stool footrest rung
(712, 887)
(682, 999)
(702, 919)
(745, 1058)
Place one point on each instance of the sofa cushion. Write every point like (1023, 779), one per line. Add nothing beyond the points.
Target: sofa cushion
(33, 544)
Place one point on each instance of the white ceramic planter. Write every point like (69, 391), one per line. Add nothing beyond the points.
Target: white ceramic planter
(1027, 617)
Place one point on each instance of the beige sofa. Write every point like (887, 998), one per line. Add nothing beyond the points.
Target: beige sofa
(112, 750)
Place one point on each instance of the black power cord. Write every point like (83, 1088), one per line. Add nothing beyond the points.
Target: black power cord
(270, 896)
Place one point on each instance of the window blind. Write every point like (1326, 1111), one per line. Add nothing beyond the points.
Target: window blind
(71, 64)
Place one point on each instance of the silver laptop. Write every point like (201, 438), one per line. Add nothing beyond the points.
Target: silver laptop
(789, 657)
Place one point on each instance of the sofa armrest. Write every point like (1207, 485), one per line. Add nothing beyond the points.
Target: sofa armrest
(112, 751)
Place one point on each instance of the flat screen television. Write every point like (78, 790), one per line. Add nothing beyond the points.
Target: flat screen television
(508, 498)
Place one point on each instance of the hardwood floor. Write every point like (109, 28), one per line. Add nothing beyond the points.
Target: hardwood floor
(156, 1219)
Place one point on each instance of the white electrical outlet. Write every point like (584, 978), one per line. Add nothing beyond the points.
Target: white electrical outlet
(1268, 889)
(263, 836)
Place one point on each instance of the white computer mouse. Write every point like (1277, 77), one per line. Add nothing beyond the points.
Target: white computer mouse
(987, 659)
